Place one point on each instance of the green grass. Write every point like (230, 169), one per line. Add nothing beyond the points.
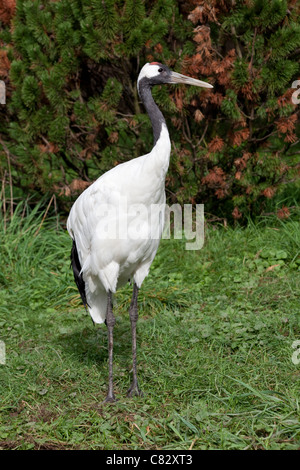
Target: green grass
(215, 338)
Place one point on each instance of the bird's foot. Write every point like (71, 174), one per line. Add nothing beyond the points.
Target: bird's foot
(110, 398)
(134, 391)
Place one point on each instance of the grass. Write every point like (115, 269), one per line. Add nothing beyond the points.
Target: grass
(215, 338)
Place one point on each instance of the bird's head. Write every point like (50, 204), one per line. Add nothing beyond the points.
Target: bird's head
(155, 73)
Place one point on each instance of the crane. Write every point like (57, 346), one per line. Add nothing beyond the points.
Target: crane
(117, 203)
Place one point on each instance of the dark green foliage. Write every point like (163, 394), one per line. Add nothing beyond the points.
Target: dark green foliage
(73, 111)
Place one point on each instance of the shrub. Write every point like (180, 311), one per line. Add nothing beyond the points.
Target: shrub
(74, 111)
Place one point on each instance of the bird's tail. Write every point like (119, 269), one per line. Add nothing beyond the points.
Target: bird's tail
(96, 304)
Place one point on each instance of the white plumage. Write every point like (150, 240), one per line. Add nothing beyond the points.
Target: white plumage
(116, 224)
(108, 263)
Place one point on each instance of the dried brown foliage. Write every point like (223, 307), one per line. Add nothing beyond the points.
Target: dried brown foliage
(7, 10)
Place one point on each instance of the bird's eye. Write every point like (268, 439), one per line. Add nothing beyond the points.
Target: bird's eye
(160, 69)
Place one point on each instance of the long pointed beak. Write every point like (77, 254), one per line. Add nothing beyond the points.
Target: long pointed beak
(178, 78)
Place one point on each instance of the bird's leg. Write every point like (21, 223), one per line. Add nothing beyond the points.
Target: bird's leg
(133, 314)
(110, 322)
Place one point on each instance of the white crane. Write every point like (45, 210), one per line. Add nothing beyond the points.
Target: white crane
(113, 240)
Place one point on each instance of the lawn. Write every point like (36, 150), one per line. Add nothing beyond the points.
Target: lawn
(216, 354)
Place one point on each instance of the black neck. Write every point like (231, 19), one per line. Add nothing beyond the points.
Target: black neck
(156, 117)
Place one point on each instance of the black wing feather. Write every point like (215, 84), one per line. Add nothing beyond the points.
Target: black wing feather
(75, 263)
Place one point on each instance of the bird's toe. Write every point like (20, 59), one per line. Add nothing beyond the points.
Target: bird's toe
(110, 399)
(134, 391)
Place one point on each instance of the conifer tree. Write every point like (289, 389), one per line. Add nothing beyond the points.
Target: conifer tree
(74, 112)
(250, 149)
